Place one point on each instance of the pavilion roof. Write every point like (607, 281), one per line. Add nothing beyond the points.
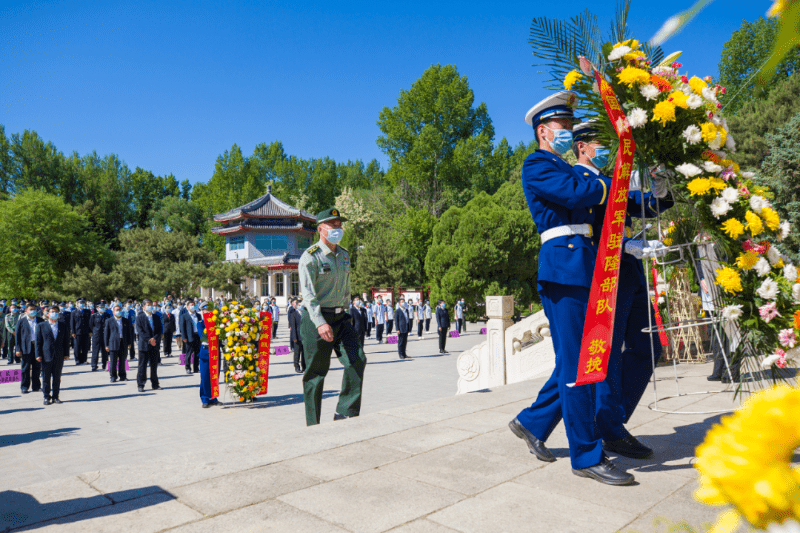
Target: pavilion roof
(267, 206)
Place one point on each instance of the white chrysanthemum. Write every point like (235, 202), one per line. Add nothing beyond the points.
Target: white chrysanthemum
(689, 170)
(784, 228)
(708, 94)
(770, 360)
(694, 101)
(618, 52)
(692, 134)
(730, 144)
(719, 207)
(715, 120)
(637, 117)
(768, 289)
(730, 195)
(661, 300)
(790, 272)
(748, 174)
(773, 255)
(716, 144)
(732, 312)
(663, 71)
(649, 91)
(712, 167)
(762, 267)
(757, 203)
(796, 293)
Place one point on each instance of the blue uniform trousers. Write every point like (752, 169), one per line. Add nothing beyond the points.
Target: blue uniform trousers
(629, 371)
(565, 308)
(205, 376)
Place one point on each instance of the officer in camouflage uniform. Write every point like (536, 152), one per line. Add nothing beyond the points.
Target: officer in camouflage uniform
(325, 325)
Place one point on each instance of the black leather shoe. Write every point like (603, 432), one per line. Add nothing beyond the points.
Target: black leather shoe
(714, 378)
(25, 391)
(113, 380)
(337, 416)
(47, 402)
(206, 406)
(189, 372)
(158, 388)
(123, 379)
(445, 351)
(56, 400)
(605, 472)
(628, 447)
(536, 446)
(141, 389)
(297, 370)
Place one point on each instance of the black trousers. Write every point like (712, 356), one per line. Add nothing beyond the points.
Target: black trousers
(719, 363)
(81, 347)
(192, 349)
(402, 342)
(379, 332)
(443, 338)
(167, 344)
(460, 324)
(117, 369)
(51, 371)
(419, 328)
(97, 350)
(30, 371)
(148, 357)
(427, 324)
(389, 325)
(12, 349)
(132, 352)
(274, 329)
(299, 358)
(369, 329)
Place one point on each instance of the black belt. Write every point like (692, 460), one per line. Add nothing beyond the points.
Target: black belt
(332, 310)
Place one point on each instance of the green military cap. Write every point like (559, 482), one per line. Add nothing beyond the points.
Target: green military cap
(330, 214)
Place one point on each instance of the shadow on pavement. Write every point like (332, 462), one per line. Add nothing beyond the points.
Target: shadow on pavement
(21, 409)
(25, 438)
(286, 399)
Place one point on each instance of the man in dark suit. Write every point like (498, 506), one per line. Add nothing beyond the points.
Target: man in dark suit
(168, 321)
(403, 327)
(358, 317)
(79, 325)
(25, 334)
(191, 339)
(97, 324)
(52, 349)
(443, 324)
(149, 330)
(130, 312)
(294, 337)
(116, 337)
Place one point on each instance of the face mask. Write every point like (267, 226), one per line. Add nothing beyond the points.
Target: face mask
(81, 307)
(600, 157)
(191, 308)
(53, 316)
(117, 313)
(335, 235)
(358, 304)
(444, 305)
(148, 309)
(562, 140)
(14, 310)
(32, 313)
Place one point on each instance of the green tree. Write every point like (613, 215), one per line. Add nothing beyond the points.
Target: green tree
(94, 283)
(413, 234)
(744, 54)
(381, 263)
(781, 172)
(436, 140)
(174, 213)
(484, 248)
(229, 276)
(760, 117)
(6, 166)
(42, 238)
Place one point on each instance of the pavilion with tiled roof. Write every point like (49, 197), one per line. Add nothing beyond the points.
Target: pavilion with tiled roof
(272, 234)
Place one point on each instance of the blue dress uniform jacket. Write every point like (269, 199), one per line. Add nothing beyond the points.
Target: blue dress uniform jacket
(558, 196)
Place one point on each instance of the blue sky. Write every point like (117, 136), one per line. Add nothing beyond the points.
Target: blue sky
(168, 86)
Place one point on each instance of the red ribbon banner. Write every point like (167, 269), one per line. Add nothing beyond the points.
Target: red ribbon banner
(661, 333)
(598, 330)
(263, 349)
(210, 322)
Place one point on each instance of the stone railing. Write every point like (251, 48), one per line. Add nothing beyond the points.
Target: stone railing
(511, 352)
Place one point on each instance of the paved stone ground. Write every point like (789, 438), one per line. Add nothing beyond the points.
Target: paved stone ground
(103, 424)
(448, 464)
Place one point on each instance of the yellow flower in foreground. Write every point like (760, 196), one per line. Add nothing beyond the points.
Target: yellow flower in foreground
(717, 183)
(667, 241)
(729, 279)
(635, 56)
(745, 460)
(709, 132)
(771, 218)
(733, 228)
(571, 78)
(664, 112)
(729, 163)
(753, 223)
(747, 260)
(679, 99)
(698, 186)
(697, 85)
(633, 44)
(632, 75)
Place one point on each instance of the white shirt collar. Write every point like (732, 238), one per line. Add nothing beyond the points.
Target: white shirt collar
(594, 170)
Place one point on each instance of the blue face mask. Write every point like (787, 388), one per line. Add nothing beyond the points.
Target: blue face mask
(32, 313)
(53, 316)
(335, 235)
(600, 158)
(562, 140)
(117, 313)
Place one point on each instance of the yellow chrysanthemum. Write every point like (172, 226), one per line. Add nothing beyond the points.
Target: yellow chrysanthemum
(708, 131)
(729, 279)
(733, 228)
(754, 223)
(679, 99)
(667, 241)
(697, 85)
(571, 78)
(635, 56)
(699, 186)
(746, 460)
(771, 218)
(717, 183)
(664, 112)
(633, 44)
(729, 163)
(632, 75)
(747, 260)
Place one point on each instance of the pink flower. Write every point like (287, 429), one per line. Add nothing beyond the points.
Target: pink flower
(676, 65)
(684, 79)
(781, 362)
(727, 174)
(744, 191)
(768, 311)
(786, 338)
(750, 246)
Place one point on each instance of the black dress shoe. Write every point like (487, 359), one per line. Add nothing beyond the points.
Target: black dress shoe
(605, 472)
(123, 379)
(56, 400)
(158, 388)
(206, 405)
(25, 391)
(536, 446)
(337, 416)
(445, 351)
(10, 363)
(113, 380)
(141, 389)
(297, 370)
(94, 370)
(189, 372)
(714, 378)
(47, 402)
(628, 447)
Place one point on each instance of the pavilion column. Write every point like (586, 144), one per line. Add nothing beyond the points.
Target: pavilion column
(286, 275)
(271, 284)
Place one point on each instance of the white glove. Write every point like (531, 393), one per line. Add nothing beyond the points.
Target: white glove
(655, 249)
(659, 187)
(641, 249)
(635, 248)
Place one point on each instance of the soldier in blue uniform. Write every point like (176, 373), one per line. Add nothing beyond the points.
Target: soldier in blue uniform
(562, 202)
(630, 370)
(205, 362)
